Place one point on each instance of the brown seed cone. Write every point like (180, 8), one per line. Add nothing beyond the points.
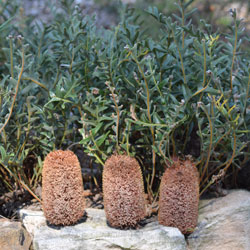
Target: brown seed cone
(179, 196)
(123, 192)
(62, 188)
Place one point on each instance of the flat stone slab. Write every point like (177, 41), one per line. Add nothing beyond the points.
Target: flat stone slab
(223, 224)
(95, 234)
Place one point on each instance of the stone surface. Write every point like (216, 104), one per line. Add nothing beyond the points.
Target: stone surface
(13, 236)
(32, 220)
(94, 234)
(223, 224)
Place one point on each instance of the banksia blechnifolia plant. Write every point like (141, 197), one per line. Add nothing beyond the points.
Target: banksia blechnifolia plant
(179, 196)
(62, 188)
(123, 192)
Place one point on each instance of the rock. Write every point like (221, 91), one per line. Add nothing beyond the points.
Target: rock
(94, 234)
(223, 224)
(13, 236)
(32, 220)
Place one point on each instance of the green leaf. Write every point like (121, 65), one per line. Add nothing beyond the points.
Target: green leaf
(6, 24)
(96, 129)
(101, 139)
(3, 153)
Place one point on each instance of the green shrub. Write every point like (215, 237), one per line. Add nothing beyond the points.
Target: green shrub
(185, 93)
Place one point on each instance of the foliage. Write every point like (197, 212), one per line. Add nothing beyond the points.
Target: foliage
(120, 90)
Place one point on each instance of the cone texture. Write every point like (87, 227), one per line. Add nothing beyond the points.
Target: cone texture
(62, 188)
(124, 199)
(179, 196)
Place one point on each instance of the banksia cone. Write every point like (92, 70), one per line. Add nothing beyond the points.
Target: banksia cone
(179, 196)
(123, 192)
(62, 188)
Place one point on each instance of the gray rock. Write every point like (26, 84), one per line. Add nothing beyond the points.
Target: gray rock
(223, 224)
(32, 220)
(13, 236)
(94, 234)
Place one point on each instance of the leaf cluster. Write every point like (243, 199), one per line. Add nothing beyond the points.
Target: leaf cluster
(186, 93)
